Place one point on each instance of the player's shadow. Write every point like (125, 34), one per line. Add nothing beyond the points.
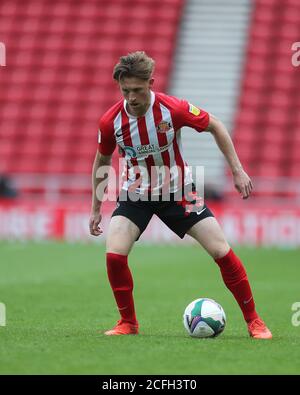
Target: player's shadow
(190, 338)
(154, 335)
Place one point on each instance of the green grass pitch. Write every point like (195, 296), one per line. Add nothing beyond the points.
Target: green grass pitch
(57, 298)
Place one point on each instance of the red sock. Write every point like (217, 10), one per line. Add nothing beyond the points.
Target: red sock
(121, 283)
(236, 280)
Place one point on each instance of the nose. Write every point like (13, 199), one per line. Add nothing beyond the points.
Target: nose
(131, 97)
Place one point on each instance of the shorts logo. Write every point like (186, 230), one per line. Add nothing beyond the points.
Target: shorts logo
(164, 127)
(199, 212)
(130, 152)
(194, 110)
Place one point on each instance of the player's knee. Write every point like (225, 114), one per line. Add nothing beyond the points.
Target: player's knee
(118, 243)
(219, 250)
(117, 248)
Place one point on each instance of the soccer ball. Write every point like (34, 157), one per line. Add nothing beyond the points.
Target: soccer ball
(204, 318)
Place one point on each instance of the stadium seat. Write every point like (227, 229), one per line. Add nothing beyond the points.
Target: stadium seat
(267, 127)
(61, 59)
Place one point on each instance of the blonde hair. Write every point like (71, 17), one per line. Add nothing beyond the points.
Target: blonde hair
(136, 64)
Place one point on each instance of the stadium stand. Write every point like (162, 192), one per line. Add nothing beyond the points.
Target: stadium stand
(267, 125)
(233, 58)
(207, 72)
(57, 81)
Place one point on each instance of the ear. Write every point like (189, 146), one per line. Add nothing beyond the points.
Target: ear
(151, 82)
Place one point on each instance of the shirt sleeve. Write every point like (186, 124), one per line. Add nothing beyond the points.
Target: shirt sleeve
(106, 138)
(192, 116)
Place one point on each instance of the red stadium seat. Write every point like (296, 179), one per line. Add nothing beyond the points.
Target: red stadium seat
(62, 55)
(269, 102)
(273, 135)
(294, 171)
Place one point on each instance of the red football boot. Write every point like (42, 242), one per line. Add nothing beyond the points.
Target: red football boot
(123, 328)
(258, 329)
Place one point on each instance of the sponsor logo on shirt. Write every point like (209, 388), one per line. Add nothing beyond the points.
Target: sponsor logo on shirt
(194, 110)
(164, 127)
(150, 149)
(130, 152)
(144, 150)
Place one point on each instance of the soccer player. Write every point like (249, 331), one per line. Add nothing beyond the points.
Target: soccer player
(146, 126)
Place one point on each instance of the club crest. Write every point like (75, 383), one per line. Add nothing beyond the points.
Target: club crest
(164, 127)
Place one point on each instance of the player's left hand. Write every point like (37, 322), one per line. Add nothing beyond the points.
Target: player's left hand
(242, 183)
(94, 224)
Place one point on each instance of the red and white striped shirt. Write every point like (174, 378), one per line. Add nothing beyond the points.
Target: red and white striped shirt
(151, 144)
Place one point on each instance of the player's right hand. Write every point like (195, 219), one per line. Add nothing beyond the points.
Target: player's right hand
(94, 222)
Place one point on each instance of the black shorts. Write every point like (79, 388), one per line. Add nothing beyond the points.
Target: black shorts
(178, 215)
